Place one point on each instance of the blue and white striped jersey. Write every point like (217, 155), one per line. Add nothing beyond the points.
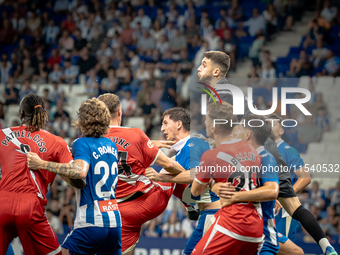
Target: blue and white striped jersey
(96, 203)
(269, 172)
(189, 152)
(291, 157)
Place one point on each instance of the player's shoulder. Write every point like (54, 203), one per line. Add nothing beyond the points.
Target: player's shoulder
(267, 156)
(198, 139)
(210, 155)
(289, 149)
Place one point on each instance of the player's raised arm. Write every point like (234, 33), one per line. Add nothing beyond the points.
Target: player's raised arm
(168, 164)
(76, 170)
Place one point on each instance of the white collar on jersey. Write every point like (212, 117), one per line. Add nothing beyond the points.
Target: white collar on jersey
(231, 141)
(260, 149)
(111, 126)
(278, 143)
(180, 144)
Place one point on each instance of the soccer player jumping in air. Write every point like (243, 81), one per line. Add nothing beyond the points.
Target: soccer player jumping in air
(213, 71)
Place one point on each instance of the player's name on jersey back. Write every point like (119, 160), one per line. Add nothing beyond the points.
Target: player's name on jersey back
(104, 150)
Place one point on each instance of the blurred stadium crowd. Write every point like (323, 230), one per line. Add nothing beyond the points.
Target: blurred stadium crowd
(148, 52)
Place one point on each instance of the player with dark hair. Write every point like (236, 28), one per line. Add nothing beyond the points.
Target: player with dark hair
(213, 72)
(189, 150)
(238, 228)
(23, 191)
(97, 224)
(139, 198)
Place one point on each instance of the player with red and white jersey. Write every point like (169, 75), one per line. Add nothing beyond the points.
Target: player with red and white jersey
(23, 191)
(237, 228)
(139, 198)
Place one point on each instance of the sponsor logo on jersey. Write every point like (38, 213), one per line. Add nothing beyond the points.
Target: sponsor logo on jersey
(108, 205)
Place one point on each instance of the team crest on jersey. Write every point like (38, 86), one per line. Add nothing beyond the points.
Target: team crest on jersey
(108, 205)
(150, 144)
(190, 145)
(287, 147)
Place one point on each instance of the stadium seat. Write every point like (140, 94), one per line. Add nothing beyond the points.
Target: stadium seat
(330, 137)
(135, 122)
(316, 147)
(324, 83)
(333, 147)
(294, 52)
(304, 82)
(282, 65)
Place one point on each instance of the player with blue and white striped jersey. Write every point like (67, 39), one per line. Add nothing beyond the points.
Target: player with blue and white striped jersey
(97, 225)
(269, 173)
(189, 150)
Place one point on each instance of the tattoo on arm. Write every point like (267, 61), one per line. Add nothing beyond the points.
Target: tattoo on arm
(69, 170)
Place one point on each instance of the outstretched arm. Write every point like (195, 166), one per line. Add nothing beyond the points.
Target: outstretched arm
(168, 164)
(181, 178)
(76, 170)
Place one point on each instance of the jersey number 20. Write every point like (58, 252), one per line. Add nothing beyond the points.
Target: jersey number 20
(102, 182)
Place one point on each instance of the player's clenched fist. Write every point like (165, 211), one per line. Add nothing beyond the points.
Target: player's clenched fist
(33, 161)
(152, 174)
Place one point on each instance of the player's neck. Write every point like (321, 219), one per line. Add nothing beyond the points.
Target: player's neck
(182, 135)
(115, 122)
(214, 80)
(222, 138)
(254, 144)
(278, 138)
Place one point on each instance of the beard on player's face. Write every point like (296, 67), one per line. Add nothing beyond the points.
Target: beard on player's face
(205, 79)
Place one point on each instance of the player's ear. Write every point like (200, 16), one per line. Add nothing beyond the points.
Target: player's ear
(179, 124)
(282, 131)
(248, 134)
(216, 72)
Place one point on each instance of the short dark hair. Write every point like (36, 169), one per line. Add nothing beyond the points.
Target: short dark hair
(224, 111)
(262, 133)
(275, 116)
(179, 114)
(220, 58)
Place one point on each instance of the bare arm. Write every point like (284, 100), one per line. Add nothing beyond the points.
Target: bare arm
(269, 191)
(169, 164)
(181, 178)
(76, 170)
(198, 188)
(303, 181)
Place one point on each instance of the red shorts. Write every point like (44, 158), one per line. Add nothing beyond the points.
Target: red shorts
(220, 240)
(136, 212)
(23, 215)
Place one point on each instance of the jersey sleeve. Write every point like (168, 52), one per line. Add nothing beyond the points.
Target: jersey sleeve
(269, 169)
(149, 151)
(197, 148)
(202, 173)
(80, 150)
(295, 162)
(64, 153)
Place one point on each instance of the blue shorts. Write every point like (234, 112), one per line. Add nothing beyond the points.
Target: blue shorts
(268, 249)
(281, 238)
(10, 250)
(287, 226)
(198, 232)
(94, 240)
